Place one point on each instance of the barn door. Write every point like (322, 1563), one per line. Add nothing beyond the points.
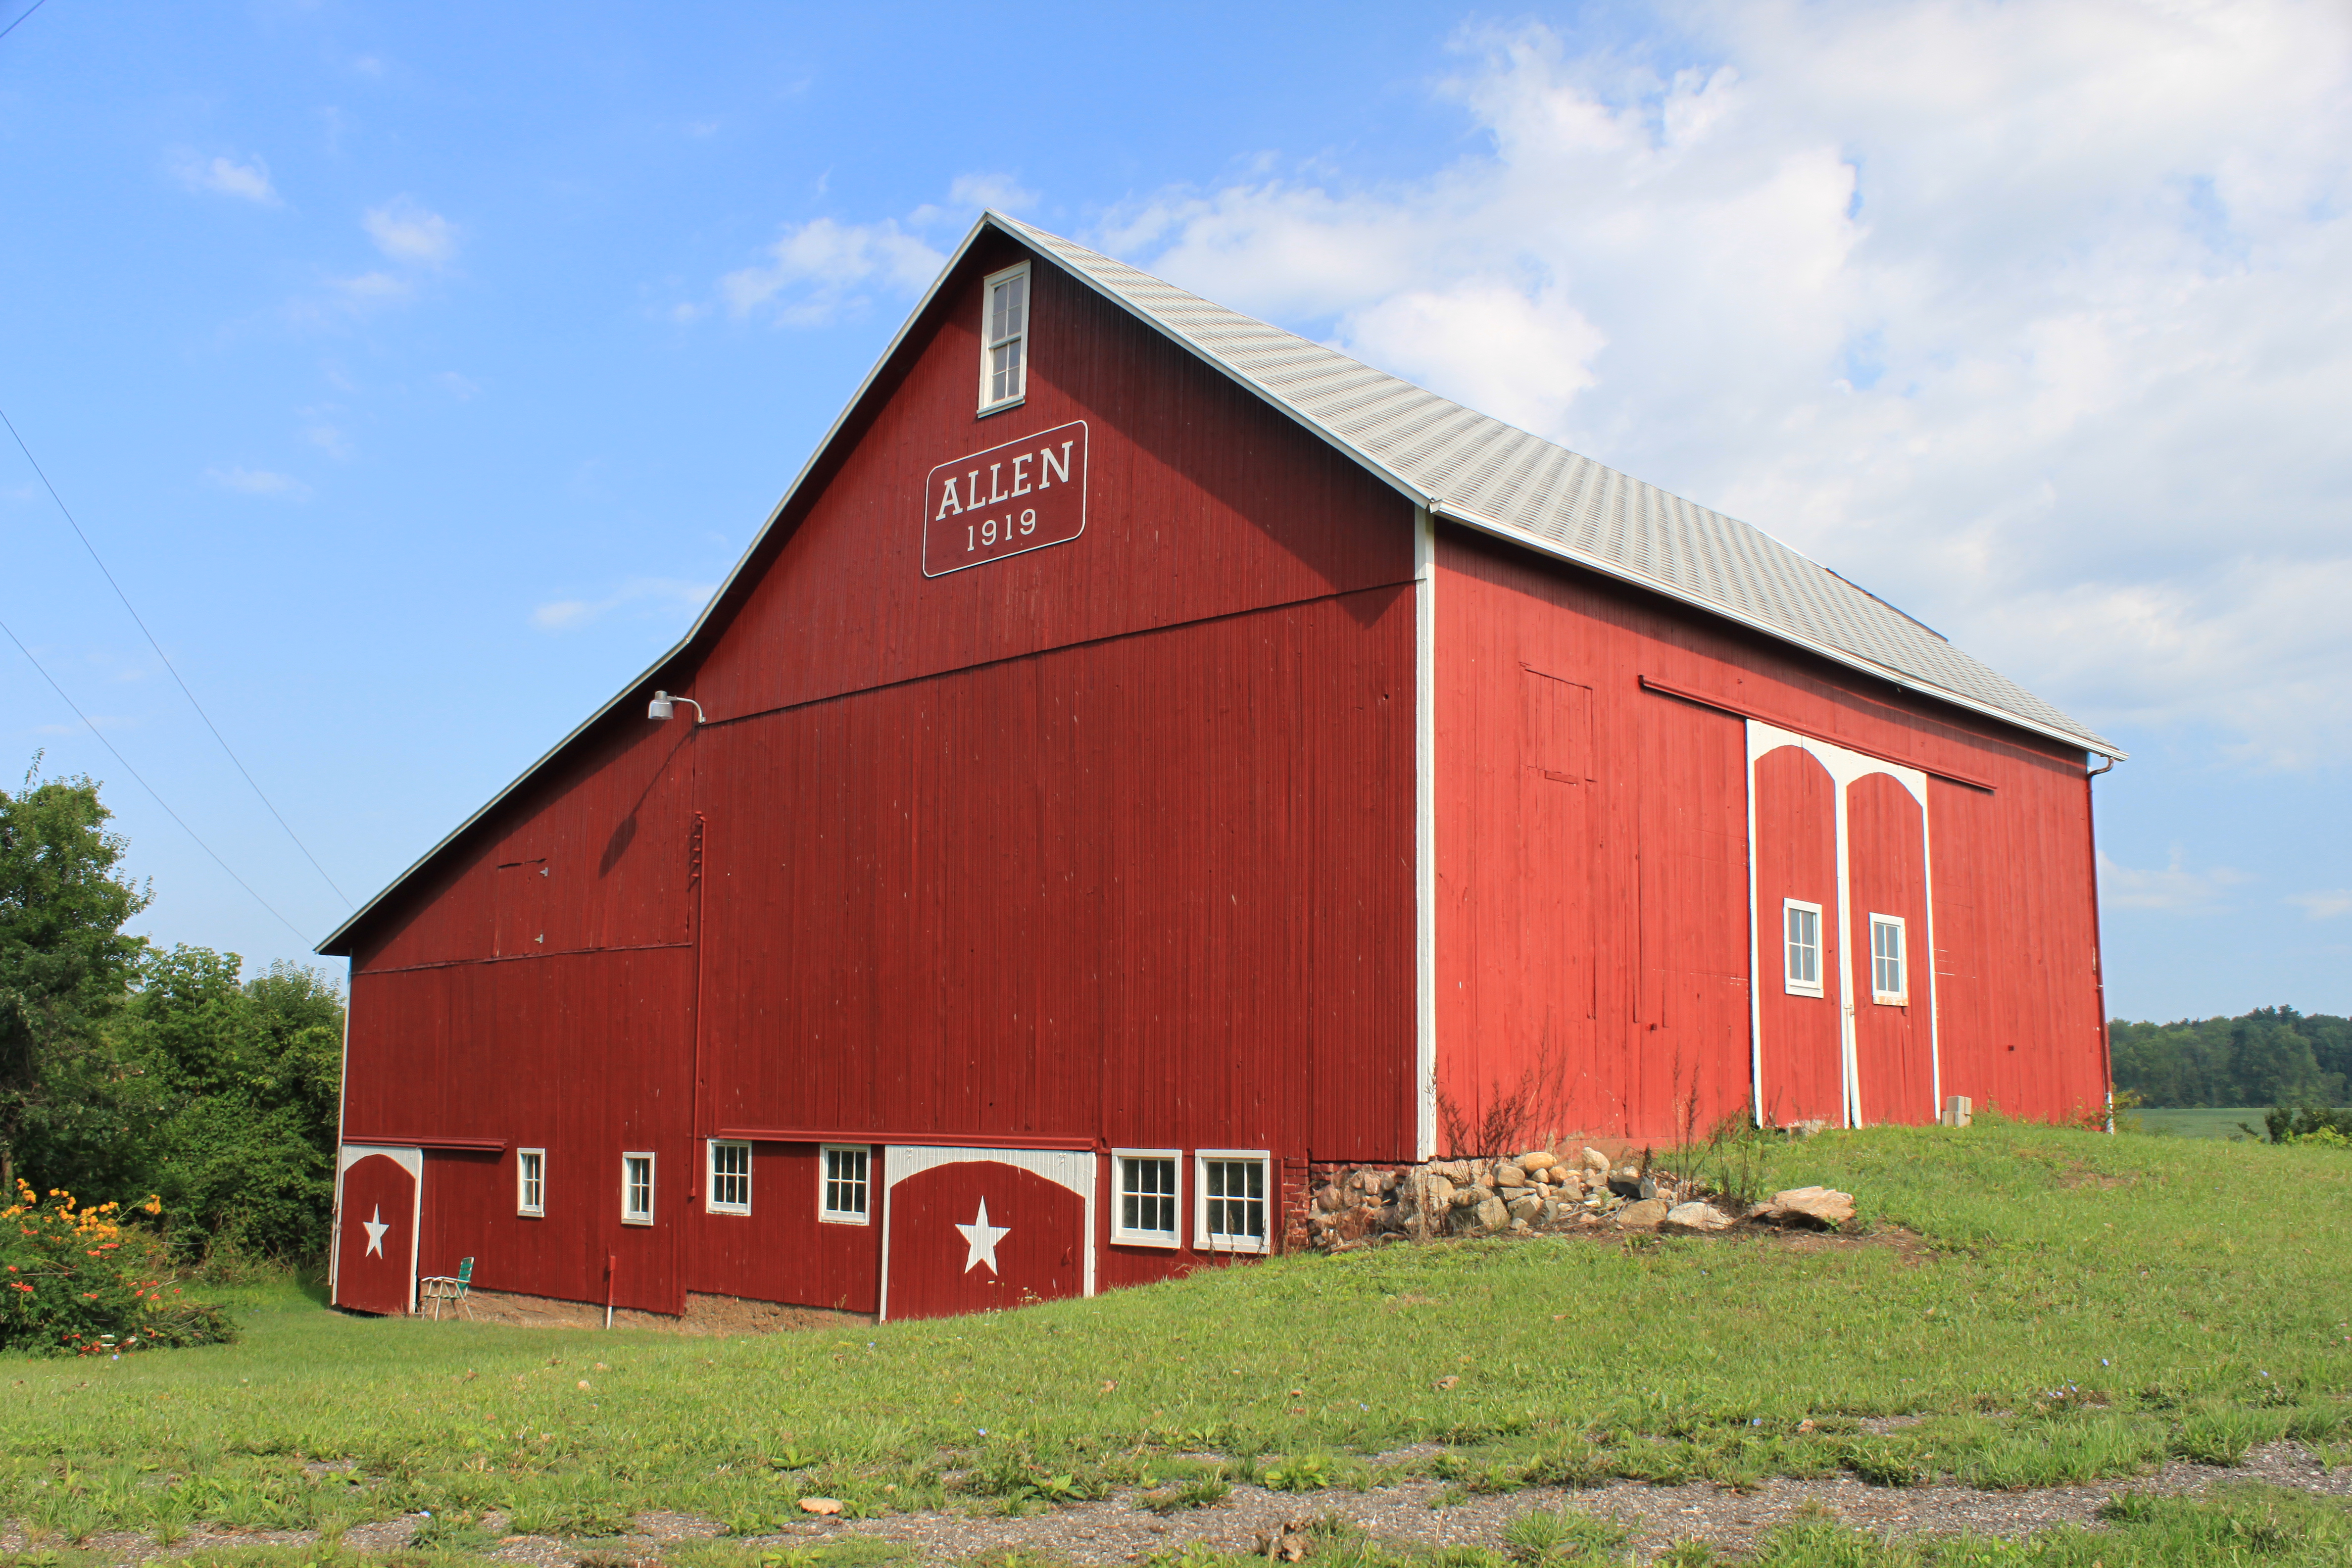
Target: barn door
(375, 1228)
(1844, 1010)
(973, 1230)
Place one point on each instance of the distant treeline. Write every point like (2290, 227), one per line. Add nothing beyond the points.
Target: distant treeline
(2271, 1056)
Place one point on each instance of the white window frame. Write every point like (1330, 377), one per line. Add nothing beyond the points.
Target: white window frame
(989, 344)
(825, 1211)
(523, 1182)
(628, 1214)
(1901, 995)
(1200, 1201)
(1120, 1233)
(1795, 987)
(710, 1171)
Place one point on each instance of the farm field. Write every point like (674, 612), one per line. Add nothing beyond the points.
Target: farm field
(2055, 1306)
(2202, 1122)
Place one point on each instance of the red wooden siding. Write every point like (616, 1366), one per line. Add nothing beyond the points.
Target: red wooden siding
(1200, 504)
(1664, 1047)
(1803, 1058)
(1894, 1073)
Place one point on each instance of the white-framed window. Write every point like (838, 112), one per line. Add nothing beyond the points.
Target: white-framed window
(637, 1188)
(1801, 934)
(1005, 338)
(1232, 1199)
(1145, 1213)
(844, 1184)
(730, 1176)
(1888, 980)
(530, 1183)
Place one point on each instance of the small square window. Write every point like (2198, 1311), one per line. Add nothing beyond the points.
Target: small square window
(1802, 942)
(530, 1183)
(1146, 1211)
(1005, 338)
(1231, 1187)
(637, 1189)
(730, 1176)
(1888, 983)
(842, 1186)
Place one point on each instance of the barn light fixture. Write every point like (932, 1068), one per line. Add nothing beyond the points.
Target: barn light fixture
(664, 704)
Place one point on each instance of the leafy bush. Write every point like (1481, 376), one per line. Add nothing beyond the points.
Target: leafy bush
(2314, 1125)
(74, 1287)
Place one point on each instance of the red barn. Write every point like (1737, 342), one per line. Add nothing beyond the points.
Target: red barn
(1146, 752)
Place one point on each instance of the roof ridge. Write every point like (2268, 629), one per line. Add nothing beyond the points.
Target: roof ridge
(1476, 469)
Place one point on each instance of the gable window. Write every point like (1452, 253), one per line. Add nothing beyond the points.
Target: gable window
(1888, 984)
(530, 1183)
(1005, 338)
(1146, 1215)
(1232, 1202)
(843, 1184)
(1801, 925)
(730, 1176)
(637, 1188)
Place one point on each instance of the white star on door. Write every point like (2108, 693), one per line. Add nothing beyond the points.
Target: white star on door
(375, 1228)
(982, 1237)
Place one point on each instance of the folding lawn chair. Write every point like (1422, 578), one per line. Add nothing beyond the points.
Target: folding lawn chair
(439, 1288)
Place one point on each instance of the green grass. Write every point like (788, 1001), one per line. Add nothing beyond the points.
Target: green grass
(2083, 1307)
(2202, 1122)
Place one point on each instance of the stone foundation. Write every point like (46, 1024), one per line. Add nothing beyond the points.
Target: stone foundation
(1344, 1205)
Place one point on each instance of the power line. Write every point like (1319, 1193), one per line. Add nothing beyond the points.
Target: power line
(11, 28)
(134, 772)
(166, 658)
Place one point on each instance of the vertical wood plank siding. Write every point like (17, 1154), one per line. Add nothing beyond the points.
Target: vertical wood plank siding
(1111, 840)
(1630, 1015)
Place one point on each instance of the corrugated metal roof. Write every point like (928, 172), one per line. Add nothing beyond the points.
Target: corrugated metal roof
(1505, 480)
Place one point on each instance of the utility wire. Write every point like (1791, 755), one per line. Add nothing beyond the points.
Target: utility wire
(166, 658)
(134, 772)
(11, 28)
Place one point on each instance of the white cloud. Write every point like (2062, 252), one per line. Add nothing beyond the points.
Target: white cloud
(465, 389)
(1000, 191)
(660, 596)
(2324, 906)
(818, 272)
(408, 233)
(225, 176)
(2030, 318)
(2174, 887)
(258, 482)
(321, 431)
(828, 268)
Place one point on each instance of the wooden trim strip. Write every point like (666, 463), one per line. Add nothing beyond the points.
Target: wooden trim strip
(470, 1146)
(1720, 705)
(934, 1139)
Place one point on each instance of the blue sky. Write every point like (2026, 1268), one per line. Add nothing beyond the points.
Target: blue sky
(418, 370)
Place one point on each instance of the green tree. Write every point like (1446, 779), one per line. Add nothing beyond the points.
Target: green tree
(244, 1081)
(65, 964)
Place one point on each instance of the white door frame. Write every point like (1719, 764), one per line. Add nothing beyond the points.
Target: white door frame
(407, 1159)
(1075, 1169)
(1844, 768)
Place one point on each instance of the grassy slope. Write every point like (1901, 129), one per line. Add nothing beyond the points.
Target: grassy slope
(2193, 1288)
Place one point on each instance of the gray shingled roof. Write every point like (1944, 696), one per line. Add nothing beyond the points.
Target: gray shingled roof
(1463, 465)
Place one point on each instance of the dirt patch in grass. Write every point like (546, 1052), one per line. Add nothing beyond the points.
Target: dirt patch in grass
(723, 1316)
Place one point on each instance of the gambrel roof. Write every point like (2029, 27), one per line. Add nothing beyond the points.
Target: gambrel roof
(1475, 469)
(1465, 466)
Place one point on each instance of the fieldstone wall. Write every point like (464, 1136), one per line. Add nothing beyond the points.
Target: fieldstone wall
(1348, 1206)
